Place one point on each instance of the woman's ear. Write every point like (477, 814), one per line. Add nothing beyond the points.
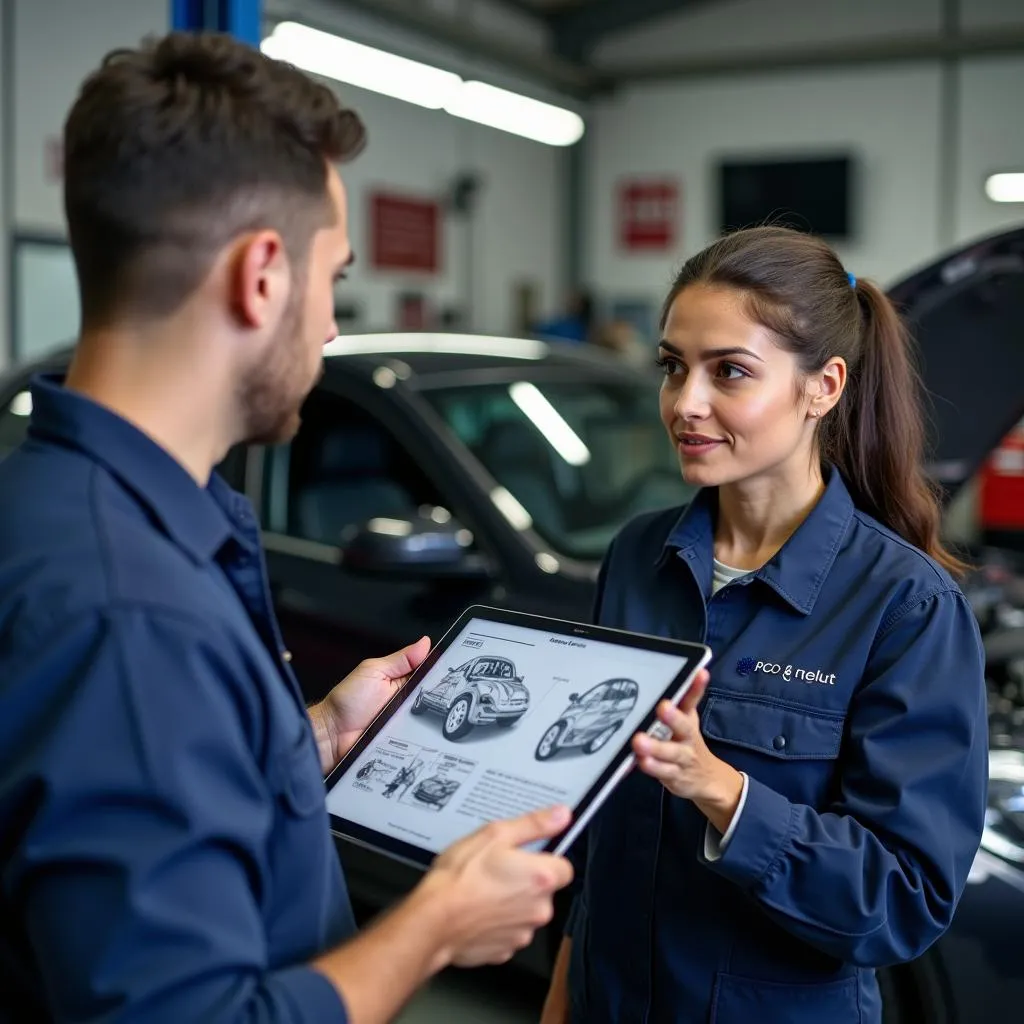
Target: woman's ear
(826, 387)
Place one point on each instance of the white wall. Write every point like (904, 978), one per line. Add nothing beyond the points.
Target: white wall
(736, 26)
(56, 44)
(890, 116)
(990, 140)
(680, 131)
(516, 230)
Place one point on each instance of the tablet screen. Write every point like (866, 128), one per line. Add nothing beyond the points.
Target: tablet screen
(506, 720)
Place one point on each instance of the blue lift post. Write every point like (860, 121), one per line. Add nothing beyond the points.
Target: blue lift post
(240, 18)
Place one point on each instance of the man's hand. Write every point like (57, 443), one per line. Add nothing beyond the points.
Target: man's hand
(480, 902)
(497, 894)
(340, 718)
(685, 766)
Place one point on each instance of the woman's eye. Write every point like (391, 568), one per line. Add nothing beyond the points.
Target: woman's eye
(730, 371)
(669, 366)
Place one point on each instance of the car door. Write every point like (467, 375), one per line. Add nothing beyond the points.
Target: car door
(589, 719)
(355, 458)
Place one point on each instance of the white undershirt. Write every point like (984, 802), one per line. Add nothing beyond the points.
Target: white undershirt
(722, 575)
(715, 843)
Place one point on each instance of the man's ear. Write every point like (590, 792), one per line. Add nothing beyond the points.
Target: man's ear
(260, 279)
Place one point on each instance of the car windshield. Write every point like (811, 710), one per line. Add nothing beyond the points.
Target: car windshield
(581, 457)
(494, 669)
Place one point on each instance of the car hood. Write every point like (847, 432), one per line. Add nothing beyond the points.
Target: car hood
(966, 311)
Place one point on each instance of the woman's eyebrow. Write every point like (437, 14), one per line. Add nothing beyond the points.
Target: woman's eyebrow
(714, 353)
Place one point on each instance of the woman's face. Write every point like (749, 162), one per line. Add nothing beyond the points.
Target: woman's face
(732, 400)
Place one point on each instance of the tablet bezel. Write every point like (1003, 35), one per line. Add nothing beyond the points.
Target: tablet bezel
(698, 656)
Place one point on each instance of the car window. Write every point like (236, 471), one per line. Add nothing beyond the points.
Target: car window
(581, 457)
(14, 422)
(343, 468)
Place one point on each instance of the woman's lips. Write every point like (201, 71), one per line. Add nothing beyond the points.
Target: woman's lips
(692, 445)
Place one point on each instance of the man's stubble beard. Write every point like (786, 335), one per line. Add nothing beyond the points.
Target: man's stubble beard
(272, 392)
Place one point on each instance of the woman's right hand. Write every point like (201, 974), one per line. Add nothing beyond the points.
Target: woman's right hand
(556, 1005)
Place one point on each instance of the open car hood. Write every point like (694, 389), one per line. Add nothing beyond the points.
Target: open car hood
(966, 311)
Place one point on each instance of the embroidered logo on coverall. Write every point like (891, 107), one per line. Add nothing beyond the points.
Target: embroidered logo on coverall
(745, 666)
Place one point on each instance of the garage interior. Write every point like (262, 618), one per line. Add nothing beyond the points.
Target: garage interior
(628, 134)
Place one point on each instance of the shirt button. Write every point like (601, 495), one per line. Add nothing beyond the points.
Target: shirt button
(779, 742)
(287, 656)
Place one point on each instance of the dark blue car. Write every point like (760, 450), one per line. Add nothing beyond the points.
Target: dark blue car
(437, 471)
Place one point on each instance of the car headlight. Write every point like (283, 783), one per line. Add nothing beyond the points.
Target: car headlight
(1004, 819)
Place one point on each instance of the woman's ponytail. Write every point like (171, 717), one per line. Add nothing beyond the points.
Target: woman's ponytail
(876, 436)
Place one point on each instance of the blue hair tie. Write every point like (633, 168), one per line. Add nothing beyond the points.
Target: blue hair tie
(852, 280)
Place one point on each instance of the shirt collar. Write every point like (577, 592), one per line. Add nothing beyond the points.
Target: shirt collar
(199, 520)
(798, 569)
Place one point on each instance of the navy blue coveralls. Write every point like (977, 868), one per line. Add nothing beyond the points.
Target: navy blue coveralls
(164, 845)
(848, 683)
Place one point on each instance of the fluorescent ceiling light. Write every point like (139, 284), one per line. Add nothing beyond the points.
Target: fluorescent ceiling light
(322, 53)
(549, 421)
(333, 57)
(520, 115)
(1005, 188)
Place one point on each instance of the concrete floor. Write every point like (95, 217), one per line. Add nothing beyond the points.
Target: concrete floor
(499, 996)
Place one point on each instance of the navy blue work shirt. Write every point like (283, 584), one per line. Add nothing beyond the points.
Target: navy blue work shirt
(164, 846)
(848, 683)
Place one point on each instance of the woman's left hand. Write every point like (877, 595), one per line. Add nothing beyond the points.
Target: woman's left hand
(685, 766)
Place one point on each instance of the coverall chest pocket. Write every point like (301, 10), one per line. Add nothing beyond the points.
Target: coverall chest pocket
(792, 749)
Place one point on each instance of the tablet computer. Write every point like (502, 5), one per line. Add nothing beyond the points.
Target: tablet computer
(509, 712)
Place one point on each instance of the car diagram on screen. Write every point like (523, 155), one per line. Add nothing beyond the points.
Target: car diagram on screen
(589, 721)
(374, 769)
(403, 778)
(435, 791)
(486, 690)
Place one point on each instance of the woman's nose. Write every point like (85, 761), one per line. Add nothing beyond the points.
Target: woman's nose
(692, 401)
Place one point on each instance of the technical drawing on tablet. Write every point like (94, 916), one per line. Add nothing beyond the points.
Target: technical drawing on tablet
(508, 718)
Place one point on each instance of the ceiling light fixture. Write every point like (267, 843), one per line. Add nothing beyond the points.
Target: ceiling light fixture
(520, 115)
(1007, 187)
(365, 66)
(322, 53)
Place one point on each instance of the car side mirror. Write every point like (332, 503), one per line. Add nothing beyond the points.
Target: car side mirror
(417, 548)
(573, 698)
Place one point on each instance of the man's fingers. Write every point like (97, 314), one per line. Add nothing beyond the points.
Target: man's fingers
(528, 828)
(404, 662)
(693, 695)
(660, 750)
(660, 770)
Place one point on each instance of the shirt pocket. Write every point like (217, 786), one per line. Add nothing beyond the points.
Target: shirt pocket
(297, 781)
(791, 748)
(739, 1000)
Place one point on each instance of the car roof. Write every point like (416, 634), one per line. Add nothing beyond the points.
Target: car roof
(425, 360)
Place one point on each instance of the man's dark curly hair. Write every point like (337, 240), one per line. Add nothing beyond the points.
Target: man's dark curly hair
(174, 148)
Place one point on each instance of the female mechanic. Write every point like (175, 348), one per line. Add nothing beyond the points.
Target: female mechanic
(815, 816)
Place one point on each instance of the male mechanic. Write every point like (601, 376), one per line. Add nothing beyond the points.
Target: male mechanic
(164, 849)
